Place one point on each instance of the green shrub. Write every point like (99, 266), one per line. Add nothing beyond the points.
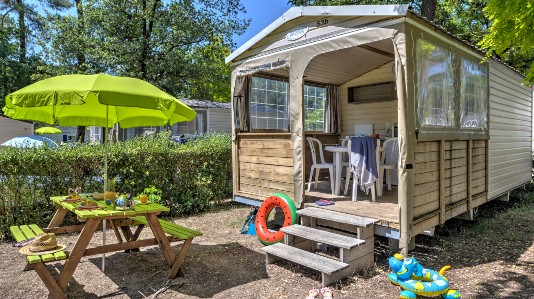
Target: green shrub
(187, 177)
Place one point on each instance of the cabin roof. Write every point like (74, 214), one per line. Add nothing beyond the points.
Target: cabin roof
(310, 12)
(303, 13)
(205, 104)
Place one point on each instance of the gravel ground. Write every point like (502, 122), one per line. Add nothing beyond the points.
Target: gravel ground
(492, 258)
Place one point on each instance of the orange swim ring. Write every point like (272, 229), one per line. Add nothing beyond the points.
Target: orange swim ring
(279, 200)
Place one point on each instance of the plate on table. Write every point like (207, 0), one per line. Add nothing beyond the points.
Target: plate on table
(71, 199)
(88, 208)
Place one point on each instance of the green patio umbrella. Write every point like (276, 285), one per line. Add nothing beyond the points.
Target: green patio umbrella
(48, 130)
(96, 100)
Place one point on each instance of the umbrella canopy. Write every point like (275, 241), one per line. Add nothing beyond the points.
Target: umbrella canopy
(48, 130)
(30, 141)
(96, 100)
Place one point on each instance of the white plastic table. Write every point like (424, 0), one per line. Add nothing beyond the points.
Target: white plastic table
(338, 152)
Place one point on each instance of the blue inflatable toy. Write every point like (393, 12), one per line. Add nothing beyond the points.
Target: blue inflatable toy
(416, 280)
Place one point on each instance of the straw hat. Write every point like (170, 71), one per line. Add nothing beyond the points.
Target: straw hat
(42, 244)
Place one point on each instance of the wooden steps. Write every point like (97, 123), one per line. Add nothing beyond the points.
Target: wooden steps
(322, 236)
(352, 235)
(304, 258)
(337, 217)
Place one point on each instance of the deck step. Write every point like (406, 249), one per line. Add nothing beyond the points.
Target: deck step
(322, 236)
(337, 217)
(305, 258)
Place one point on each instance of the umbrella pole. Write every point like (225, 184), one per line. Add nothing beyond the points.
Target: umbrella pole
(105, 186)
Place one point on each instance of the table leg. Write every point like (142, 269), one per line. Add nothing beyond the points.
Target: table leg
(117, 233)
(77, 252)
(159, 234)
(58, 217)
(337, 158)
(129, 237)
(180, 259)
(138, 231)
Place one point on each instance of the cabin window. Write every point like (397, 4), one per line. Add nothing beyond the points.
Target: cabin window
(474, 95)
(435, 85)
(269, 104)
(314, 103)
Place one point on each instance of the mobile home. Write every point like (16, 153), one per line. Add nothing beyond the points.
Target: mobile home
(464, 127)
(10, 128)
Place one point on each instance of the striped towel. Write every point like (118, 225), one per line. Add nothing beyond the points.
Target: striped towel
(363, 161)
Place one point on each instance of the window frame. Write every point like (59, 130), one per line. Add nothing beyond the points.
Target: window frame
(314, 84)
(456, 131)
(285, 79)
(276, 78)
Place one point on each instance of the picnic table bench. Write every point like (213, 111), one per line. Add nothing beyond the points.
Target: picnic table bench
(36, 262)
(120, 221)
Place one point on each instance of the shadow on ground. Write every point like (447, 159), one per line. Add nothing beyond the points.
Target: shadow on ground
(209, 269)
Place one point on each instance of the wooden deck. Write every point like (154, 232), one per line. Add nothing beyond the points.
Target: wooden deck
(386, 207)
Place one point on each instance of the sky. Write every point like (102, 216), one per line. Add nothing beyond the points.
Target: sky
(262, 13)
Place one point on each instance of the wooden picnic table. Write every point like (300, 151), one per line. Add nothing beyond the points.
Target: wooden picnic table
(120, 221)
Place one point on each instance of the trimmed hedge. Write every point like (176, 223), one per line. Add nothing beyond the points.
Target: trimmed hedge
(190, 176)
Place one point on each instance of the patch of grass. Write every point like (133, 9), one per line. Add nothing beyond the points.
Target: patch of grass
(482, 227)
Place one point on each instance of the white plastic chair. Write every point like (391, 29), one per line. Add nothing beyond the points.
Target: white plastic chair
(390, 150)
(355, 181)
(318, 166)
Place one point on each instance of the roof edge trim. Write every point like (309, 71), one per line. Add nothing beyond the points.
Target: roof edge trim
(304, 11)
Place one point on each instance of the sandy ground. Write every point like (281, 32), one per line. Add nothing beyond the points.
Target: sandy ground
(226, 264)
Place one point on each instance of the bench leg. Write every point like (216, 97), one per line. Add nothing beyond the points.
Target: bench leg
(49, 281)
(177, 265)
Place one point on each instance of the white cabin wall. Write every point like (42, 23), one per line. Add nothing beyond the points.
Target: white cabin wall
(219, 120)
(10, 128)
(371, 113)
(510, 119)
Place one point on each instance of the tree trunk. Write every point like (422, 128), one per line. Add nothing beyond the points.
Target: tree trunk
(428, 9)
(80, 56)
(148, 24)
(80, 134)
(22, 31)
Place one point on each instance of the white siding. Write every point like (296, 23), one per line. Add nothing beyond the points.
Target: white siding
(371, 113)
(69, 131)
(219, 120)
(10, 128)
(510, 116)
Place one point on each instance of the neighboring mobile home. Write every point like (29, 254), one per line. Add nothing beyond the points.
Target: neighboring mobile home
(464, 127)
(10, 128)
(211, 117)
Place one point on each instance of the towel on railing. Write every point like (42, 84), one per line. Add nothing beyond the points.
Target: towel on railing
(363, 161)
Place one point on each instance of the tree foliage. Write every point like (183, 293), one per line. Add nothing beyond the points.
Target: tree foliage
(20, 25)
(178, 45)
(510, 36)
